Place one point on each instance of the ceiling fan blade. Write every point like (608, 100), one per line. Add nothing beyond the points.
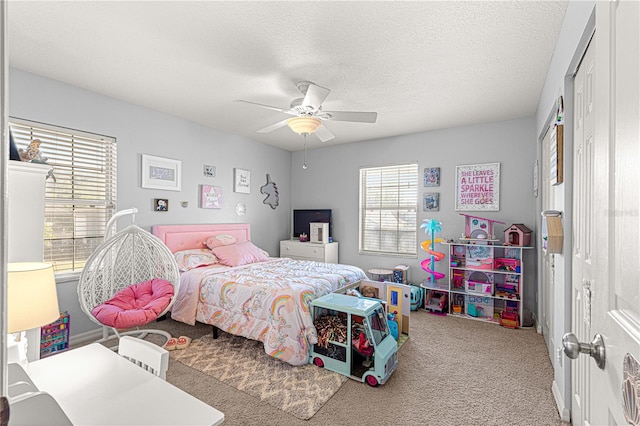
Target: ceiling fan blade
(356, 116)
(324, 134)
(315, 96)
(262, 105)
(273, 127)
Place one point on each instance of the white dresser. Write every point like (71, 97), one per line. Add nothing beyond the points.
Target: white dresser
(294, 249)
(26, 211)
(25, 242)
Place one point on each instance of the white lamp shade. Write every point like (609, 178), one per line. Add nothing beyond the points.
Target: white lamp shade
(32, 298)
(304, 125)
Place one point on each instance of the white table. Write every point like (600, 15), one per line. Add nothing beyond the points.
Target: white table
(96, 386)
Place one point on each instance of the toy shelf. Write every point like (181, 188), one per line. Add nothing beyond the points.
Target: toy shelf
(54, 337)
(486, 282)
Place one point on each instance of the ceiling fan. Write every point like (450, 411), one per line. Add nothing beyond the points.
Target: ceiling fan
(309, 115)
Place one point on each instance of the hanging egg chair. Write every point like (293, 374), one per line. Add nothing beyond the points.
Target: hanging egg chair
(130, 280)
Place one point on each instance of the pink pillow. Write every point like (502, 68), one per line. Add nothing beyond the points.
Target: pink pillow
(220, 240)
(239, 254)
(135, 305)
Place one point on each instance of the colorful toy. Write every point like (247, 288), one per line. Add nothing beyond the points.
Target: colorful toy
(506, 264)
(509, 318)
(458, 303)
(393, 324)
(354, 338)
(417, 297)
(517, 235)
(436, 301)
(478, 228)
(432, 226)
(400, 273)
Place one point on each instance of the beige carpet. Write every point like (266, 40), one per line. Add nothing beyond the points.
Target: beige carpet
(242, 364)
(451, 371)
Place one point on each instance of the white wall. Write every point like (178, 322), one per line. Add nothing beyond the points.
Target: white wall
(569, 48)
(332, 178)
(139, 130)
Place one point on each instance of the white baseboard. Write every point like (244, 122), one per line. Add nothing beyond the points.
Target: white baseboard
(87, 336)
(563, 411)
(536, 323)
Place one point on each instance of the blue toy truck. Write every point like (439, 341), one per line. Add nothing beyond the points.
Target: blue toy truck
(353, 338)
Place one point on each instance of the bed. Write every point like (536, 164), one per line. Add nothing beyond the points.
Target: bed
(234, 286)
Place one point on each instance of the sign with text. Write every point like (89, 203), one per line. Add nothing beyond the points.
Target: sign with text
(478, 187)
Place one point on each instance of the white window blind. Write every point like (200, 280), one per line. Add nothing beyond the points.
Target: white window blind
(389, 209)
(81, 197)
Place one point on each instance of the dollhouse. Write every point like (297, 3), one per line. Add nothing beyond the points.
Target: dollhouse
(478, 228)
(517, 235)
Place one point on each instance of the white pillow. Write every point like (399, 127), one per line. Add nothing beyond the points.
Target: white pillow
(190, 259)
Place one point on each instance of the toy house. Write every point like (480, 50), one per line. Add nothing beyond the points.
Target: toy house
(517, 235)
(478, 228)
(394, 297)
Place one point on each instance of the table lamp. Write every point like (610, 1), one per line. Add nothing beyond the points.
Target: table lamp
(32, 301)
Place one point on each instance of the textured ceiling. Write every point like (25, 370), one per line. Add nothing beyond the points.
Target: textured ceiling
(420, 65)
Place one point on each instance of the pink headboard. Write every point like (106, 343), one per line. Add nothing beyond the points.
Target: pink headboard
(184, 237)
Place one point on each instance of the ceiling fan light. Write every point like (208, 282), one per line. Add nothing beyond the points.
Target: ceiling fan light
(304, 125)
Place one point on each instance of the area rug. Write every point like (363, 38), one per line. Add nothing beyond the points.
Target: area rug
(242, 363)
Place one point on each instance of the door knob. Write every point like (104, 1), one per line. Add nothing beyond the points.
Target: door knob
(573, 348)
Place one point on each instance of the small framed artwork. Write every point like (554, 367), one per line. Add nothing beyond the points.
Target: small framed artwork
(432, 176)
(431, 202)
(557, 154)
(160, 204)
(161, 173)
(210, 197)
(209, 171)
(241, 181)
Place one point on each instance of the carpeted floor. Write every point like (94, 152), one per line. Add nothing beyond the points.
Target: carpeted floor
(451, 371)
(243, 364)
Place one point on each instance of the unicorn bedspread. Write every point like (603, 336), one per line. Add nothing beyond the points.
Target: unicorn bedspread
(266, 301)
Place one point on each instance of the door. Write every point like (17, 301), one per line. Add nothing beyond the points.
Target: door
(583, 226)
(611, 393)
(547, 271)
(616, 285)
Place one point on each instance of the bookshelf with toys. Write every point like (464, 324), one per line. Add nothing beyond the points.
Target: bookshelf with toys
(486, 281)
(486, 277)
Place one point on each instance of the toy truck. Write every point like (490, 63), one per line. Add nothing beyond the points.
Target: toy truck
(353, 338)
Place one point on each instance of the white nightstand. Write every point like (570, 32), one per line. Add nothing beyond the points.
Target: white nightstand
(294, 249)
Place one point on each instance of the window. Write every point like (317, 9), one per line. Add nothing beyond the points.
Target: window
(389, 209)
(80, 196)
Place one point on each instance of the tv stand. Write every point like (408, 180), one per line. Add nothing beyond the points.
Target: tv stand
(317, 252)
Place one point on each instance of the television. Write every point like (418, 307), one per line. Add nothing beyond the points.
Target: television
(302, 219)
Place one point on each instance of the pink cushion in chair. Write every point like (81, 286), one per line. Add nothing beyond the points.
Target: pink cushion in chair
(136, 305)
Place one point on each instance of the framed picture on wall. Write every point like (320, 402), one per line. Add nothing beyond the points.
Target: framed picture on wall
(210, 197)
(160, 204)
(241, 181)
(431, 202)
(478, 187)
(556, 152)
(432, 176)
(161, 173)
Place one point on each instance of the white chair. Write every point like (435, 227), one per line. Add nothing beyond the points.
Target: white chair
(30, 406)
(146, 355)
(131, 256)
